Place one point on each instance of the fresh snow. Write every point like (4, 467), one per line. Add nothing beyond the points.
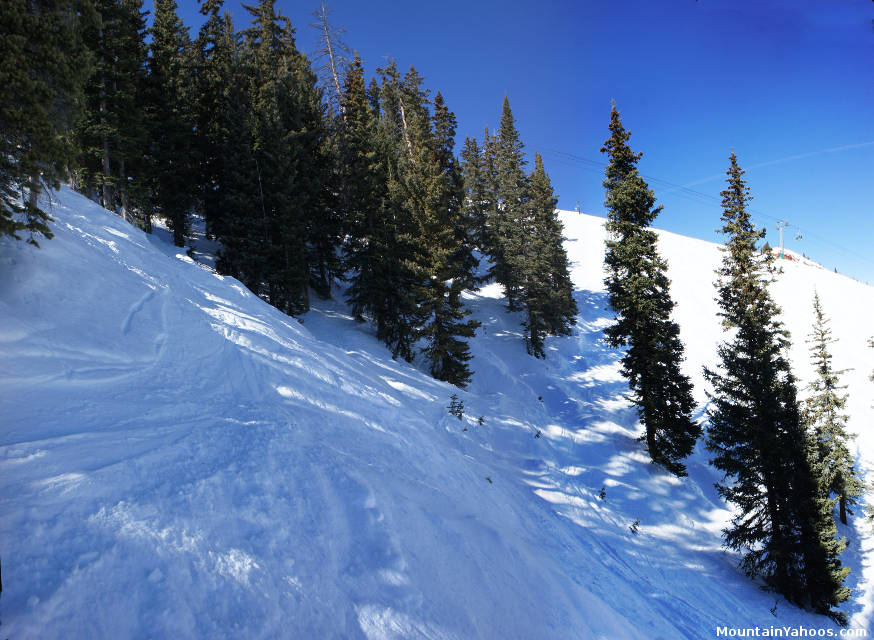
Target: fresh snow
(180, 460)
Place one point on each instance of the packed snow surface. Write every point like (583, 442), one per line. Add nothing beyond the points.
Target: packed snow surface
(180, 460)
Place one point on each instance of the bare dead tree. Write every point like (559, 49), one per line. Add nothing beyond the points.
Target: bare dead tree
(331, 58)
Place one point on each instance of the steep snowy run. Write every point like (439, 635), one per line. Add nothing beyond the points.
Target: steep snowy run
(180, 460)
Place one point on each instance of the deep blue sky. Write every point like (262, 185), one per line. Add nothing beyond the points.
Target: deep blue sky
(789, 85)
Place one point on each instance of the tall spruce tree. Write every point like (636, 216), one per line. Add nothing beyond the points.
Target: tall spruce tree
(429, 188)
(362, 180)
(382, 249)
(508, 225)
(408, 252)
(475, 191)
(639, 294)
(363, 203)
(547, 295)
(132, 190)
(489, 173)
(216, 58)
(782, 524)
(286, 115)
(325, 224)
(112, 133)
(447, 250)
(826, 421)
(229, 169)
(173, 166)
(43, 68)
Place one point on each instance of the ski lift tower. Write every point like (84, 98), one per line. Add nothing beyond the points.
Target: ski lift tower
(780, 226)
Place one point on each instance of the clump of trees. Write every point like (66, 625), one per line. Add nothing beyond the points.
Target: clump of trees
(757, 435)
(302, 183)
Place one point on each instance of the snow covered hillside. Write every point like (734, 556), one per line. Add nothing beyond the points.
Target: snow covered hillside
(180, 460)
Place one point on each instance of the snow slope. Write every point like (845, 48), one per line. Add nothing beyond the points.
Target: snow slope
(180, 460)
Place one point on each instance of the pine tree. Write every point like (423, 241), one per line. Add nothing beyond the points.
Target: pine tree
(560, 315)
(216, 58)
(475, 191)
(173, 167)
(639, 294)
(826, 421)
(489, 173)
(232, 200)
(408, 250)
(783, 525)
(112, 133)
(381, 249)
(429, 189)
(43, 68)
(373, 96)
(325, 224)
(461, 230)
(547, 288)
(287, 117)
(509, 224)
(447, 250)
(363, 200)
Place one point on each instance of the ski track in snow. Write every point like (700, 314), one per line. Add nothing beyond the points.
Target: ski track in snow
(181, 460)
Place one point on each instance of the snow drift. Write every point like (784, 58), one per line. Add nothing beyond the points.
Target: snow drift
(178, 459)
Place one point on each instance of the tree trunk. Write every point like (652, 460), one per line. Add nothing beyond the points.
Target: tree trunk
(406, 134)
(108, 191)
(333, 64)
(33, 193)
(842, 503)
(122, 192)
(108, 194)
(179, 229)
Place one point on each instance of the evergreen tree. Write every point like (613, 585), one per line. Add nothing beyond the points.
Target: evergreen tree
(373, 96)
(381, 249)
(450, 263)
(325, 229)
(782, 524)
(241, 224)
(460, 238)
(363, 201)
(316, 191)
(826, 421)
(639, 294)
(229, 169)
(489, 174)
(112, 133)
(43, 67)
(362, 177)
(173, 167)
(475, 191)
(286, 115)
(216, 59)
(408, 251)
(429, 189)
(509, 215)
(547, 290)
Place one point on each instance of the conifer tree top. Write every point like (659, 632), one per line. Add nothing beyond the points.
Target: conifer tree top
(735, 198)
(210, 7)
(629, 198)
(509, 136)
